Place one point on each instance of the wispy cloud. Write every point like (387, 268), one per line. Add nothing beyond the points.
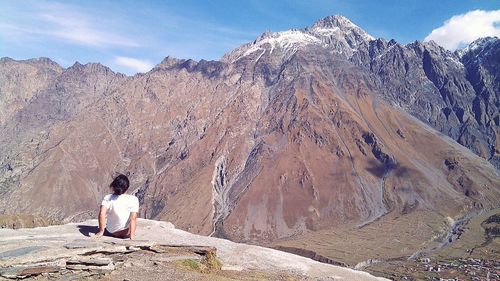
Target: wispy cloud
(465, 28)
(77, 28)
(135, 64)
(64, 22)
(128, 37)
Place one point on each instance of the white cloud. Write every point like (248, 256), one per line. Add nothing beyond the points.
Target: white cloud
(134, 64)
(465, 28)
(63, 22)
(78, 29)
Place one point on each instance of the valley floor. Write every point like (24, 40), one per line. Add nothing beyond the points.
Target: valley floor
(415, 246)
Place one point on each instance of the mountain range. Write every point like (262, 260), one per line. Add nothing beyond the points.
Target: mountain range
(299, 133)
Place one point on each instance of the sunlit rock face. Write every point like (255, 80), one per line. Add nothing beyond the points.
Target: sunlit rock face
(298, 131)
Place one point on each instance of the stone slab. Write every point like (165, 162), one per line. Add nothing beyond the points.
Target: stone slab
(21, 252)
(81, 244)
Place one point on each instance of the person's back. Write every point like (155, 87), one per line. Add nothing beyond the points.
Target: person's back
(119, 208)
(118, 212)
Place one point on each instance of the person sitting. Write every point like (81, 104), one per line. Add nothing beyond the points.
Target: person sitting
(118, 213)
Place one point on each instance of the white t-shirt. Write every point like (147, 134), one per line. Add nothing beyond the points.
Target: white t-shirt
(119, 209)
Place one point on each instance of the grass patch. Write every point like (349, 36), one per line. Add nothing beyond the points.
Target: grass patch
(208, 264)
(193, 264)
(212, 262)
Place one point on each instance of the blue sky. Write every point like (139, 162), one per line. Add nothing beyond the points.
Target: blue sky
(131, 36)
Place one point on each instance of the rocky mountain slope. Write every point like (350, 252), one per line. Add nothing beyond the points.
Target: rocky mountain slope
(455, 93)
(299, 132)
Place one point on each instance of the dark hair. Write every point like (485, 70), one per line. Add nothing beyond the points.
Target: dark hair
(120, 184)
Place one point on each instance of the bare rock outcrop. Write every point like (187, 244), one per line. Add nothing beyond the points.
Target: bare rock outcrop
(67, 251)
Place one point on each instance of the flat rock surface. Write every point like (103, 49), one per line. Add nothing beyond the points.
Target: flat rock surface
(71, 250)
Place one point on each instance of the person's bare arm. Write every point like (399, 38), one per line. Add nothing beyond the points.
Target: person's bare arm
(133, 222)
(102, 221)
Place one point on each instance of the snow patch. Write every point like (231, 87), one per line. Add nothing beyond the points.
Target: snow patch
(326, 31)
(287, 40)
(479, 43)
(455, 61)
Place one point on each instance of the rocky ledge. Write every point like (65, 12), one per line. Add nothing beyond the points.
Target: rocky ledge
(69, 252)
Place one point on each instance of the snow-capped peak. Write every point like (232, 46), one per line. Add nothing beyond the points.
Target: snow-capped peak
(337, 23)
(285, 40)
(479, 43)
(335, 33)
(334, 21)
